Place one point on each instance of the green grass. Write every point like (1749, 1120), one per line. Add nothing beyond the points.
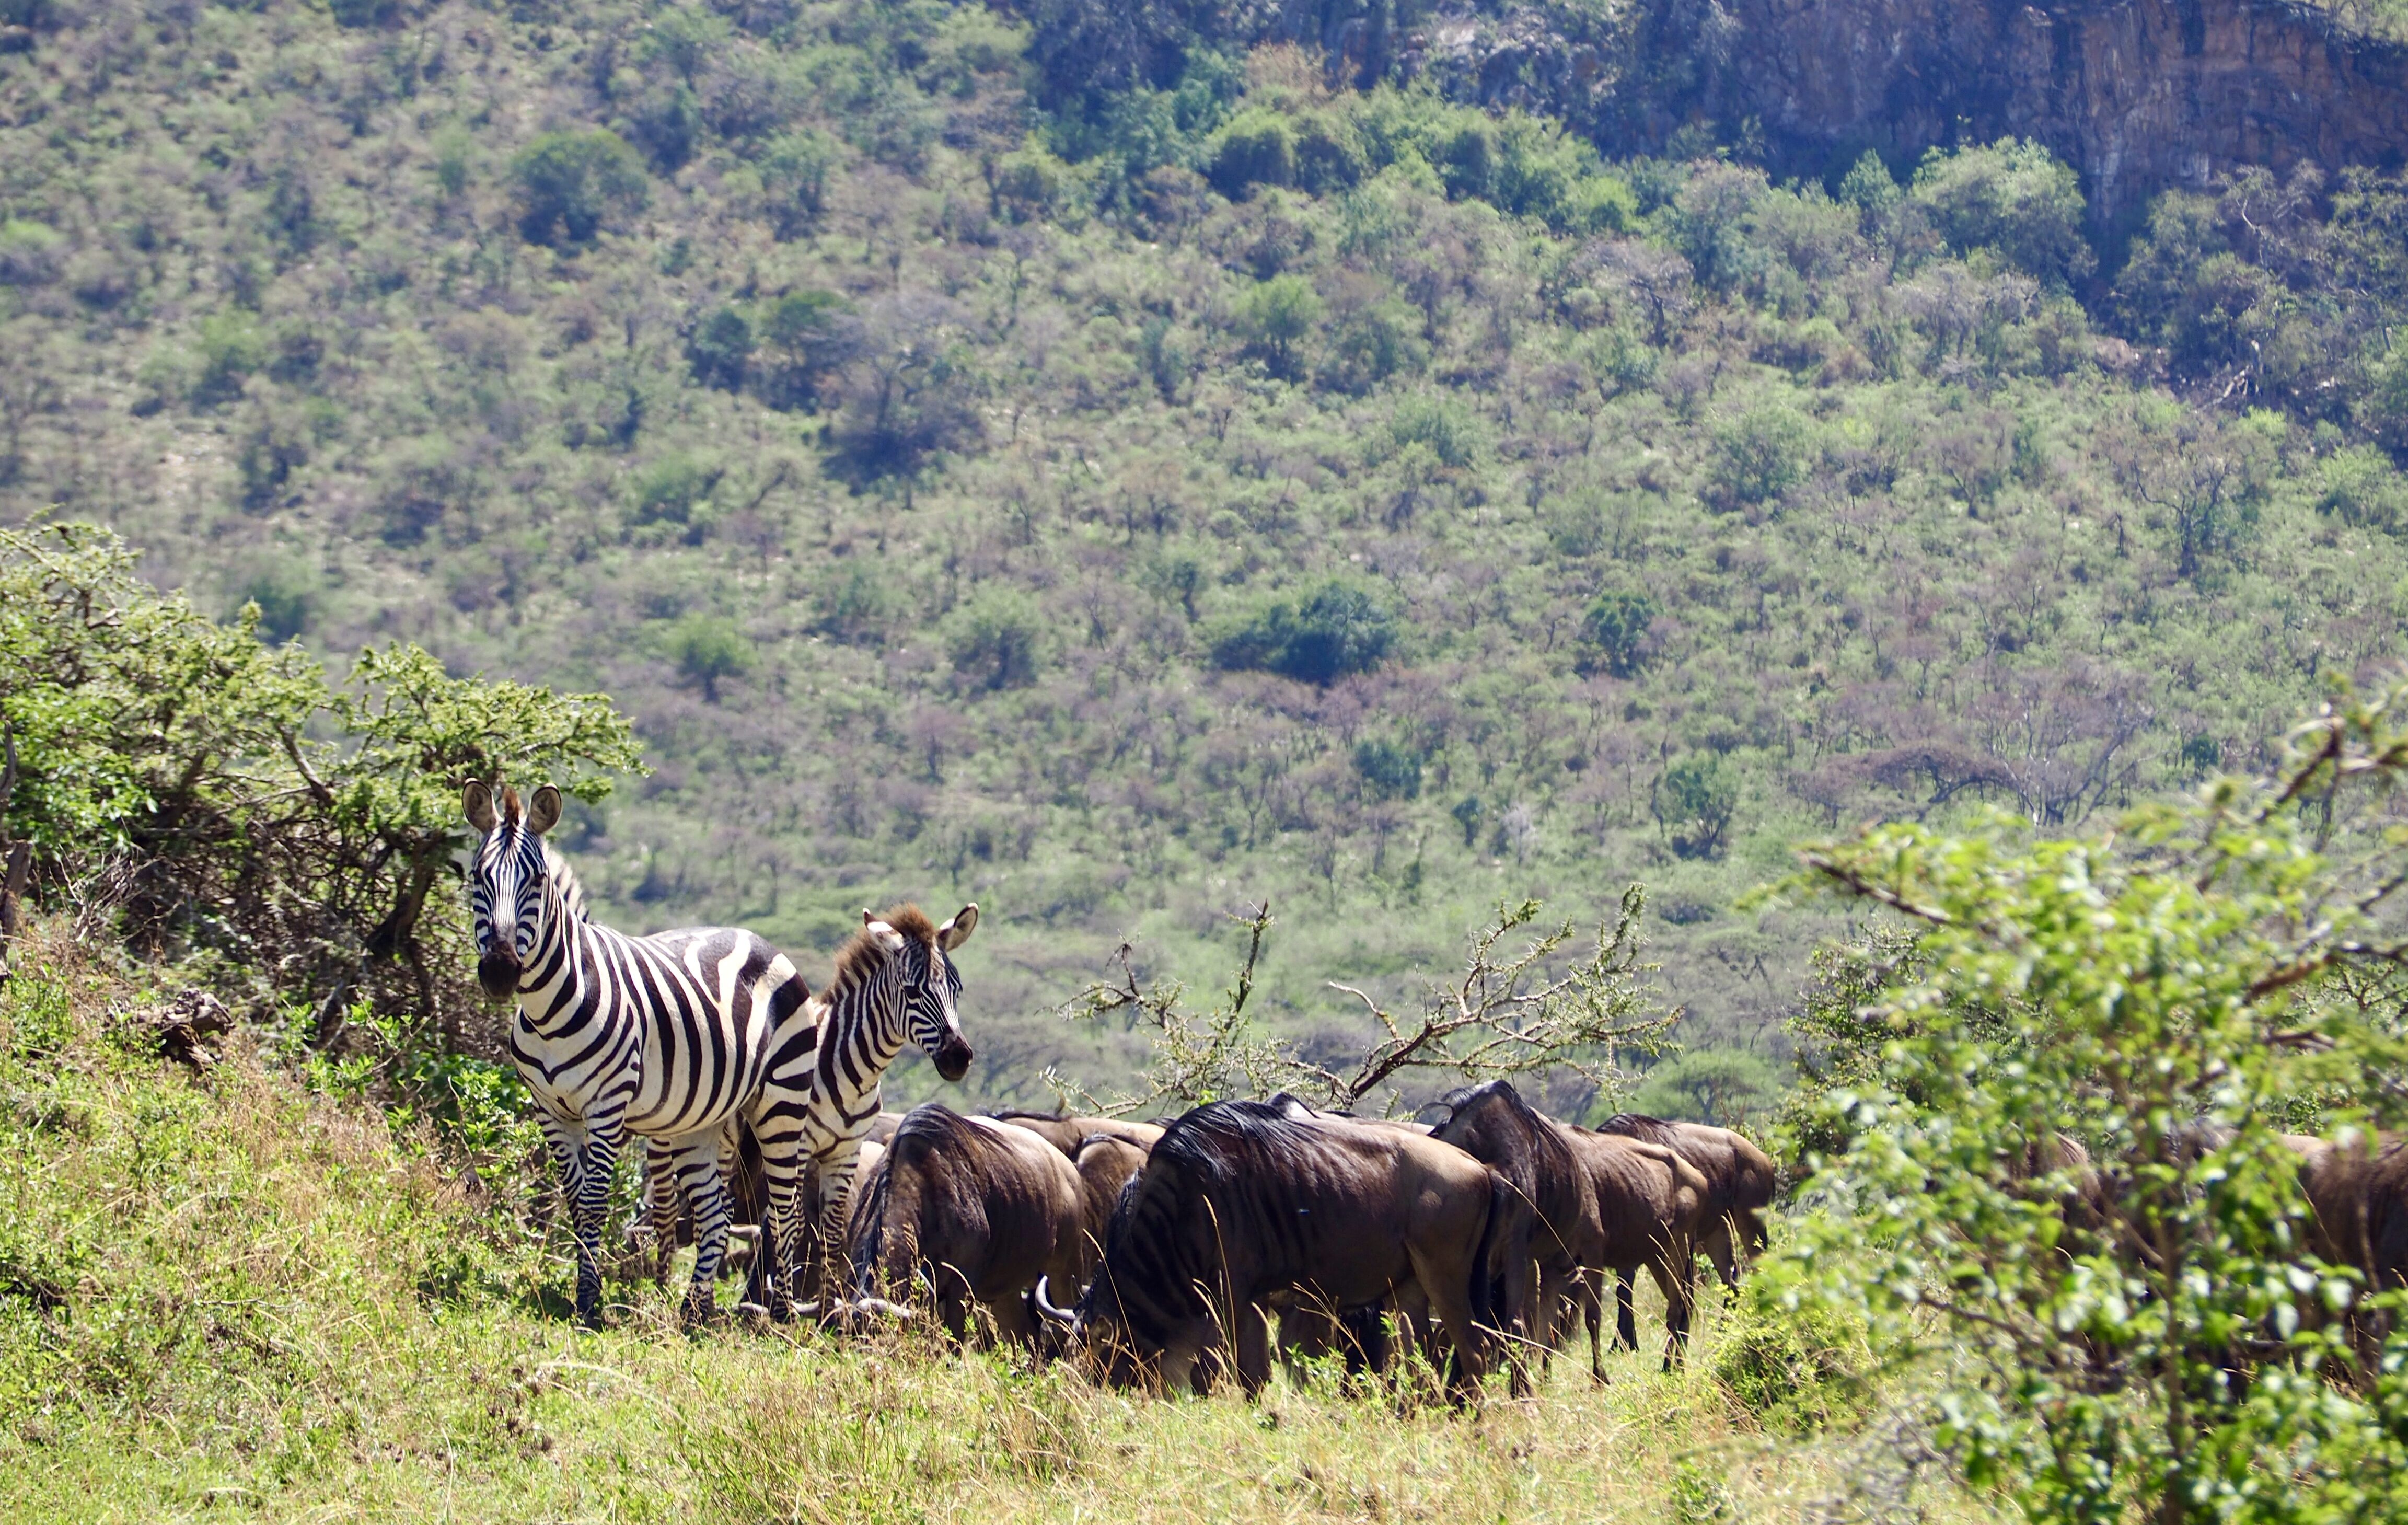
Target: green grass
(230, 1297)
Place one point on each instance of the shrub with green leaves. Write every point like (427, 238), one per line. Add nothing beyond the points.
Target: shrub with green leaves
(2147, 1334)
(1330, 631)
(1613, 632)
(568, 182)
(235, 799)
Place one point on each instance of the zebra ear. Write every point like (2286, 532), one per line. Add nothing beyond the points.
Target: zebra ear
(543, 811)
(477, 801)
(956, 933)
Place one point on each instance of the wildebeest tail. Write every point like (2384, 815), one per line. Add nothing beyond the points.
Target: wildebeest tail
(1484, 1284)
(871, 1248)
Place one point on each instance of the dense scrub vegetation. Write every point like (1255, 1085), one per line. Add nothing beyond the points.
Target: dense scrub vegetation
(1114, 498)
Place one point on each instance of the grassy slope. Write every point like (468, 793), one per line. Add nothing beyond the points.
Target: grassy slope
(283, 329)
(233, 1298)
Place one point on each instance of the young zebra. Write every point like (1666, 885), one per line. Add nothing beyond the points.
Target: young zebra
(894, 984)
(666, 1037)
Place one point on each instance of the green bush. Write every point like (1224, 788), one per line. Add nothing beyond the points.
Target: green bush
(568, 182)
(1798, 1369)
(997, 640)
(706, 649)
(1333, 630)
(1759, 456)
(1725, 1086)
(1613, 632)
(1440, 423)
(2360, 484)
(1388, 770)
(720, 349)
(2013, 198)
(1695, 799)
(1277, 316)
(1256, 148)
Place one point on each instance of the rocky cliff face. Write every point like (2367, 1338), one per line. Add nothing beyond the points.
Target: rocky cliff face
(2138, 95)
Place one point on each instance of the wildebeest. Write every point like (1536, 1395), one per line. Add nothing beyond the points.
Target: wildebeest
(1651, 1203)
(1740, 1182)
(1068, 1133)
(980, 1208)
(1104, 1164)
(1552, 1229)
(2358, 1186)
(1245, 1205)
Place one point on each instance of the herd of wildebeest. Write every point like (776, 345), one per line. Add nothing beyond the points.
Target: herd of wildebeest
(1160, 1253)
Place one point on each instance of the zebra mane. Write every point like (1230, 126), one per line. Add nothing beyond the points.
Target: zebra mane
(570, 889)
(864, 955)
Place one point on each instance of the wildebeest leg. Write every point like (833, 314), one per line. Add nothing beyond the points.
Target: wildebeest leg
(1449, 1289)
(1254, 1349)
(1625, 1315)
(1589, 1293)
(1180, 1369)
(1676, 1276)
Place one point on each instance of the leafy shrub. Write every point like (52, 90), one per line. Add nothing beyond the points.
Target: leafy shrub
(805, 336)
(706, 649)
(1254, 148)
(1695, 800)
(795, 179)
(997, 640)
(1327, 152)
(1613, 632)
(2013, 198)
(30, 252)
(720, 347)
(1759, 456)
(244, 804)
(1276, 316)
(1441, 423)
(232, 347)
(1332, 631)
(1798, 1369)
(569, 182)
(672, 490)
(2360, 484)
(1388, 770)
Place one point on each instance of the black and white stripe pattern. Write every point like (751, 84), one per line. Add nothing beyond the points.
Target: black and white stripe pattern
(665, 1038)
(894, 984)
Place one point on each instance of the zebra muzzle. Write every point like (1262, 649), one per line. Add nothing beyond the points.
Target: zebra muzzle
(498, 973)
(954, 1058)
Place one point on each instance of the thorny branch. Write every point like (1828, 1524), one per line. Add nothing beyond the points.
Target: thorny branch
(1513, 1009)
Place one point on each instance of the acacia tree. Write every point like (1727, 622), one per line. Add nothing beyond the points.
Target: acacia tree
(2147, 1334)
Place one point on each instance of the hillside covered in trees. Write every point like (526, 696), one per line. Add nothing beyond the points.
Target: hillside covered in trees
(1115, 497)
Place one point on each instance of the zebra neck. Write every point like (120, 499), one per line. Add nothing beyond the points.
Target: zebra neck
(864, 1033)
(555, 977)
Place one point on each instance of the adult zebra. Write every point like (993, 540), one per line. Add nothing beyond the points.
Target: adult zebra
(666, 1037)
(895, 982)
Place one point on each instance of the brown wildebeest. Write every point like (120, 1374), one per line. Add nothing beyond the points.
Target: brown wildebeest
(1651, 1207)
(2358, 1186)
(1104, 1165)
(1068, 1133)
(1740, 1182)
(1553, 1230)
(982, 1209)
(1245, 1205)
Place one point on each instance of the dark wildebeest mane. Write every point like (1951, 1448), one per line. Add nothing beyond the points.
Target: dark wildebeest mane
(1646, 1130)
(1153, 1260)
(863, 955)
(1545, 1143)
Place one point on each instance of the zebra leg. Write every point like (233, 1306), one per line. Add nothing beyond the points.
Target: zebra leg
(603, 1139)
(699, 1174)
(835, 1173)
(566, 1141)
(660, 1188)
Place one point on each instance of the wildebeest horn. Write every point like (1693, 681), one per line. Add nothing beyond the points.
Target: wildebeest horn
(879, 1305)
(1045, 1305)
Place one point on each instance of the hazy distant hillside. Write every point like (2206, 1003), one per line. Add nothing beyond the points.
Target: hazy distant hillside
(1112, 508)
